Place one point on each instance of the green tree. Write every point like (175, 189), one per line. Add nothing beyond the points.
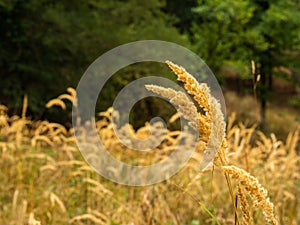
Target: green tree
(45, 45)
(236, 32)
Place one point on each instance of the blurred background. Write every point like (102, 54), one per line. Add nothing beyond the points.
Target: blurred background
(252, 46)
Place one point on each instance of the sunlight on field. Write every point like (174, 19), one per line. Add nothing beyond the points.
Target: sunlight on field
(44, 179)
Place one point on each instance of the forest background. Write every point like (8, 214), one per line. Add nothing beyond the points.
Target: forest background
(45, 47)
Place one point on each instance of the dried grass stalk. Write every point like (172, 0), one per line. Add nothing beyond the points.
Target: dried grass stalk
(247, 219)
(192, 86)
(32, 220)
(212, 125)
(257, 193)
(186, 107)
(57, 102)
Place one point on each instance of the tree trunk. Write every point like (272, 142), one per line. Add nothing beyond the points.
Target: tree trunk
(265, 86)
(263, 100)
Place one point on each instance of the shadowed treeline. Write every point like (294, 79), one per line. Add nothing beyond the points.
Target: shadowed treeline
(45, 46)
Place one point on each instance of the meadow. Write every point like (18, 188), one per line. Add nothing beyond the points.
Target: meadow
(253, 179)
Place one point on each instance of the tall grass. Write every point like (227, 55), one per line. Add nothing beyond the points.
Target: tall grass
(44, 179)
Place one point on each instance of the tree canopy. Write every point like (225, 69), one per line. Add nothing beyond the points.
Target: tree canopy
(232, 33)
(45, 45)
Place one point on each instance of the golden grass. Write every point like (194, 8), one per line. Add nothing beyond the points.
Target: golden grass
(257, 193)
(44, 179)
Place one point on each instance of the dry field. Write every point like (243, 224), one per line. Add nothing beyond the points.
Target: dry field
(253, 179)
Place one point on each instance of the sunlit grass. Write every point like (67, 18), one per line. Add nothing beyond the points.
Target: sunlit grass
(45, 180)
